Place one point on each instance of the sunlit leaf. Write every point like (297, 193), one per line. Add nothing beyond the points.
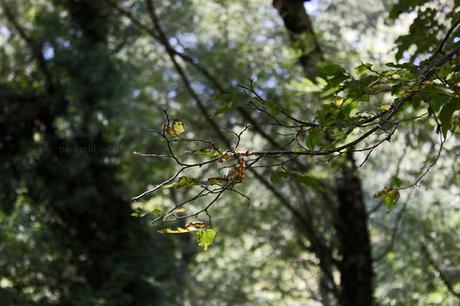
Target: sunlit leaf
(238, 172)
(384, 106)
(139, 212)
(175, 129)
(178, 126)
(196, 226)
(389, 196)
(189, 227)
(205, 238)
(178, 230)
(180, 210)
(224, 156)
(364, 67)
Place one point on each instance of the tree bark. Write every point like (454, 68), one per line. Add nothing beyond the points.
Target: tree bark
(351, 223)
(301, 34)
(354, 241)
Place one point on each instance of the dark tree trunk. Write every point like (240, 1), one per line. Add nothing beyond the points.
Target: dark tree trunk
(300, 30)
(354, 242)
(355, 264)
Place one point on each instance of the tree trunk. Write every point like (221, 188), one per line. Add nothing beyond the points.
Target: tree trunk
(301, 34)
(354, 242)
(354, 246)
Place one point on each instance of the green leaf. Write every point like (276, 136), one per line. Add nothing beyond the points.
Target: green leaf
(230, 102)
(358, 89)
(395, 181)
(314, 137)
(278, 175)
(445, 116)
(364, 67)
(391, 199)
(271, 106)
(205, 238)
(403, 65)
(217, 181)
(183, 182)
(307, 180)
(322, 82)
(310, 84)
(139, 212)
(335, 81)
(333, 69)
(211, 153)
(389, 196)
(437, 95)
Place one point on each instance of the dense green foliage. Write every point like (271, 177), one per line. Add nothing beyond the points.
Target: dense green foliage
(254, 139)
(67, 233)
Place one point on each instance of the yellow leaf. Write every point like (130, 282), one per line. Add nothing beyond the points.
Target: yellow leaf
(196, 226)
(383, 106)
(180, 210)
(217, 181)
(175, 129)
(192, 226)
(224, 156)
(178, 230)
(178, 126)
(238, 172)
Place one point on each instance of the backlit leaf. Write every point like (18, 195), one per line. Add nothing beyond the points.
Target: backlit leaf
(178, 230)
(205, 238)
(196, 226)
(192, 226)
(389, 196)
(175, 129)
(364, 67)
(445, 116)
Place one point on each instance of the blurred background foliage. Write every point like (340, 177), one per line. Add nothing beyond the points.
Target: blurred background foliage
(82, 85)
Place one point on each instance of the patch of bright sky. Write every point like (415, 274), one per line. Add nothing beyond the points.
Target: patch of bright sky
(312, 7)
(188, 39)
(380, 42)
(48, 51)
(374, 44)
(5, 32)
(176, 44)
(135, 93)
